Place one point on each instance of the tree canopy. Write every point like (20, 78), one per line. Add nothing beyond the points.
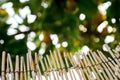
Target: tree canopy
(71, 25)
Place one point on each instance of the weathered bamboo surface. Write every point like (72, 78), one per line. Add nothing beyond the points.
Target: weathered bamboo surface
(62, 66)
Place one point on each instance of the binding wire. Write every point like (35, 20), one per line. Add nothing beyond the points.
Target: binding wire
(62, 66)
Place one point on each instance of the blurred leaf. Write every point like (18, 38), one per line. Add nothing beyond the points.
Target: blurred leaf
(85, 6)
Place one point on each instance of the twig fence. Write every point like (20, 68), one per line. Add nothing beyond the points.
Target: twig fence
(93, 66)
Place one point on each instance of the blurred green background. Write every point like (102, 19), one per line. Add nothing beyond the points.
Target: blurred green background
(70, 25)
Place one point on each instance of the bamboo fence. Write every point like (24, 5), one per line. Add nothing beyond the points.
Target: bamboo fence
(62, 66)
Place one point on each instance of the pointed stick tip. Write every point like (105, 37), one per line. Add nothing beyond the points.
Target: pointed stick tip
(3, 52)
(29, 51)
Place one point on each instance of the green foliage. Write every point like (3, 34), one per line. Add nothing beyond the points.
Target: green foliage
(60, 17)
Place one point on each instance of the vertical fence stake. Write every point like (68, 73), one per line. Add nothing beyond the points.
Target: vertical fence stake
(17, 68)
(3, 65)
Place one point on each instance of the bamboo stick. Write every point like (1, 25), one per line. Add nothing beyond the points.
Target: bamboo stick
(7, 69)
(82, 75)
(51, 68)
(95, 69)
(17, 68)
(104, 67)
(37, 67)
(43, 67)
(11, 67)
(108, 64)
(32, 65)
(109, 69)
(28, 67)
(117, 55)
(21, 68)
(112, 54)
(115, 68)
(68, 66)
(62, 65)
(25, 76)
(55, 67)
(84, 69)
(76, 66)
(47, 70)
(3, 65)
(88, 68)
(58, 65)
(80, 65)
(98, 66)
